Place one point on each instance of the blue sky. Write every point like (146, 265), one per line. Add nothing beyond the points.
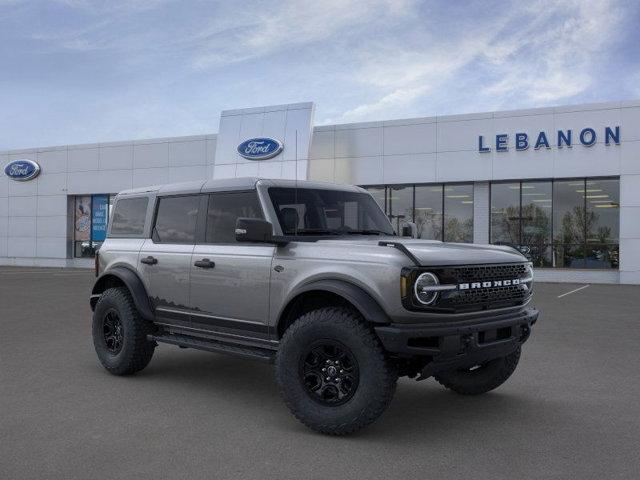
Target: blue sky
(77, 71)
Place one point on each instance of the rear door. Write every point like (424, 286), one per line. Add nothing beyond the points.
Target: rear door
(165, 259)
(230, 280)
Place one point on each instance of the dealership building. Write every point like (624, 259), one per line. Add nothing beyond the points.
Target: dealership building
(561, 184)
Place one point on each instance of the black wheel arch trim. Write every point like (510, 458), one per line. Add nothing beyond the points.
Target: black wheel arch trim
(357, 296)
(132, 281)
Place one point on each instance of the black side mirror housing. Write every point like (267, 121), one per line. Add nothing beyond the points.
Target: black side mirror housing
(254, 230)
(410, 230)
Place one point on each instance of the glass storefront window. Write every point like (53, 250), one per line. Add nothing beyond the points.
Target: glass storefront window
(568, 212)
(505, 214)
(428, 211)
(91, 217)
(536, 221)
(603, 224)
(440, 211)
(400, 200)
(569, 223)
(564, 223)
(458, 213)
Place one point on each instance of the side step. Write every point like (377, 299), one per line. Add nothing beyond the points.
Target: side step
(186, 341)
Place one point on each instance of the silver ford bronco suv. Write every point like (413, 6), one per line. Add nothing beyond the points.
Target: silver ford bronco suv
(309, 276)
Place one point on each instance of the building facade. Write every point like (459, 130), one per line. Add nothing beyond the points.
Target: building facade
(560, 184)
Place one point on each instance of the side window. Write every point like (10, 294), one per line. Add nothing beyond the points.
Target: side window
(224, 209)
(176, 219)
(128, 216)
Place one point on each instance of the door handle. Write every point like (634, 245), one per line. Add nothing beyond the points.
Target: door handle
(204, 263)
(149, 260)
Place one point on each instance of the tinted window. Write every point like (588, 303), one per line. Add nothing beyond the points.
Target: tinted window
(128, 216)
(378, 194)
(224, 209)
(307, 211)
(176, 219)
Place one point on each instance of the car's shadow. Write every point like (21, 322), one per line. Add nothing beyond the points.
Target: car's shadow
(419, 409)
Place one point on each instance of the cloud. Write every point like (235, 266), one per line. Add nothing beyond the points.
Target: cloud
(541, 53)
(553, 60)
(287, 25)
(398, 98)
(120, 69)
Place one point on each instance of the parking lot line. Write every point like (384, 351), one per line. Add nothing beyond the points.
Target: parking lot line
(573, 291)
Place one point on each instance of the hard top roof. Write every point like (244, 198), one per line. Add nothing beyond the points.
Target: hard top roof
(227, 184)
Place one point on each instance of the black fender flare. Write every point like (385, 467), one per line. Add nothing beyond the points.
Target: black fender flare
(132, 281)
(357, 296)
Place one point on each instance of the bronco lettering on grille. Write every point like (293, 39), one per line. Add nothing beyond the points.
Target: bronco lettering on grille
(488, 284)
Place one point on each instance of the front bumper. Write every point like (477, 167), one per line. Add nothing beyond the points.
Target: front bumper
(465, 344)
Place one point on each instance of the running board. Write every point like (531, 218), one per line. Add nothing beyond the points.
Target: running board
(186, 341)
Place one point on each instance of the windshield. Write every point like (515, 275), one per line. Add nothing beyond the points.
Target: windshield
(310, 211)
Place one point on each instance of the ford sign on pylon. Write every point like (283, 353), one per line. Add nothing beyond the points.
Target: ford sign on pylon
(260, 148)
(22, 170)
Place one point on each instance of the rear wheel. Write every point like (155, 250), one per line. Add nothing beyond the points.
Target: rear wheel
(333, 373)
(120, 333)
(480, 378)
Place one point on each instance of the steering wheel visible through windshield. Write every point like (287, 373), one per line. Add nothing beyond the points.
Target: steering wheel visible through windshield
(310, 211)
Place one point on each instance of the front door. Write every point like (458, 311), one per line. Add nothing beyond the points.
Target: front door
(165, 259)
(230, 280)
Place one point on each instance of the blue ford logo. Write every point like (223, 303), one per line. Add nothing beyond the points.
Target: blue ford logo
(22, 170)
(260, 148)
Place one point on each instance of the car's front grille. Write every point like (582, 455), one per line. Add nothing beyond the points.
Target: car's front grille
(479, 273)
(484, 286)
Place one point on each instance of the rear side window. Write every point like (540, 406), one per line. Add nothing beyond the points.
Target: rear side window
(224, 209)
(128, 216)
(176, 219)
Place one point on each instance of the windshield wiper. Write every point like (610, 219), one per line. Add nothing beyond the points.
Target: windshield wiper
(320, 231)
(314, 231)
(367, 232)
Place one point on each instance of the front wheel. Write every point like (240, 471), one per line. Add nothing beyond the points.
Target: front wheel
(480, 378)
(120, 333)
(333, 373)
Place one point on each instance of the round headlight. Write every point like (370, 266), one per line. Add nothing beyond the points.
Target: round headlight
(422, 290)
(528, 280)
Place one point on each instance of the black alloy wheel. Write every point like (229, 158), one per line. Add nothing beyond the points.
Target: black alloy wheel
(329, 372)
(112, 331)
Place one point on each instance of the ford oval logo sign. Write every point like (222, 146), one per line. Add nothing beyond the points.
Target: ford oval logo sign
(260, 148)
(22, 170)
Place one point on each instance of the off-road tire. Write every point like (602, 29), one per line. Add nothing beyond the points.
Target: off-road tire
(482, 379)
(377, 375)
(136, 351)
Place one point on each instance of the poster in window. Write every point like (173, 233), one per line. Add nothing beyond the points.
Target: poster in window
(99, 217)
(82, 229)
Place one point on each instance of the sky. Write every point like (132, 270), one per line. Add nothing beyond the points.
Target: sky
(80, 71)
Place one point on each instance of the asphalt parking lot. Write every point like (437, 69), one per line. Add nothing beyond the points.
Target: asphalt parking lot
(571, 410)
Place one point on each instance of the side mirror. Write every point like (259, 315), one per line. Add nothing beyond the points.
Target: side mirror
(254, 230)
(410, 229)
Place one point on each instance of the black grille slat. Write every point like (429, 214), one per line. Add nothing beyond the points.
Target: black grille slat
(487, 297)
(481, 273)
